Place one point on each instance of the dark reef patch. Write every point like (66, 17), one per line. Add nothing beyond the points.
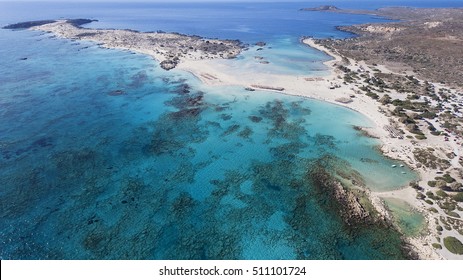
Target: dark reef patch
(325, 141)
(174, 131)
(283, 127)
(231, 129)
(138, 79)
(190, 100)
(117, 92)
(255, 119)
(246, 133)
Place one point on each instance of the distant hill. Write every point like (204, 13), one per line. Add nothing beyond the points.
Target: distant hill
(28, 24)
(322, 8)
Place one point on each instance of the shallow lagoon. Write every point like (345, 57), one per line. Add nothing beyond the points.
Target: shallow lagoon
(410, 221)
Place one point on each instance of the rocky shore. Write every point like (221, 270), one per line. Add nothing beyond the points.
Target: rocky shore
(168, 48)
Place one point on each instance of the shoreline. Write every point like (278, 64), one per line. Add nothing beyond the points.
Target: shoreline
(330, 88)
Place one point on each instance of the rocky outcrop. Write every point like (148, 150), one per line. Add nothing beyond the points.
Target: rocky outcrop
(346, 193)
(347, 203)
(168, 64)
(352, 211)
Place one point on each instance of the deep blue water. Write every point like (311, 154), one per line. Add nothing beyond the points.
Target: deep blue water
(173, 169)
(246, 21)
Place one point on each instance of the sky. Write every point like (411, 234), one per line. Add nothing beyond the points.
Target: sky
(165, 1)
(147, 1)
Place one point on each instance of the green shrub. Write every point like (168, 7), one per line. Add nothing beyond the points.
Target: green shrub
(372, 95)
(447, 178)
(432, 184)
(434, 210)
(429, 202)
(453, 245)
(428, 115)
(449, 206)
(441, 193)
(430, 194)
(437, 245)
(453, 214)
(439, 228)
(458, 197)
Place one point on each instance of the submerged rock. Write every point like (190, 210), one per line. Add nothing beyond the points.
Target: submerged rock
(116, 92)
(255, 119)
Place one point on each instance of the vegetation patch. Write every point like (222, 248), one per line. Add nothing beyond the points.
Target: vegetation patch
(453, 245)
(453, 214)
(441, 193)
(458, 197)
(428, 159)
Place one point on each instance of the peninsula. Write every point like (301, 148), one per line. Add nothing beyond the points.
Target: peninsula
(167, 48)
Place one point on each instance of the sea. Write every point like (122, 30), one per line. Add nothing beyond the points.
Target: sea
(104, 155)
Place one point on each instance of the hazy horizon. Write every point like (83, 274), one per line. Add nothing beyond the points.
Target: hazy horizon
(161, 1)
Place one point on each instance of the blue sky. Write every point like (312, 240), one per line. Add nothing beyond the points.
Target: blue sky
(165, 1)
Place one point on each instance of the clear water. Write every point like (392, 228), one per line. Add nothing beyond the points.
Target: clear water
(411, 222)
(171, 169)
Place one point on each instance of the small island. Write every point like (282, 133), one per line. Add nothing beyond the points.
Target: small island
(323, 8)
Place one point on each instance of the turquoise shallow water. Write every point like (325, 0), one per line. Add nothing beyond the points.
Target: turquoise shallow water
(411, 222)
(170, 169)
